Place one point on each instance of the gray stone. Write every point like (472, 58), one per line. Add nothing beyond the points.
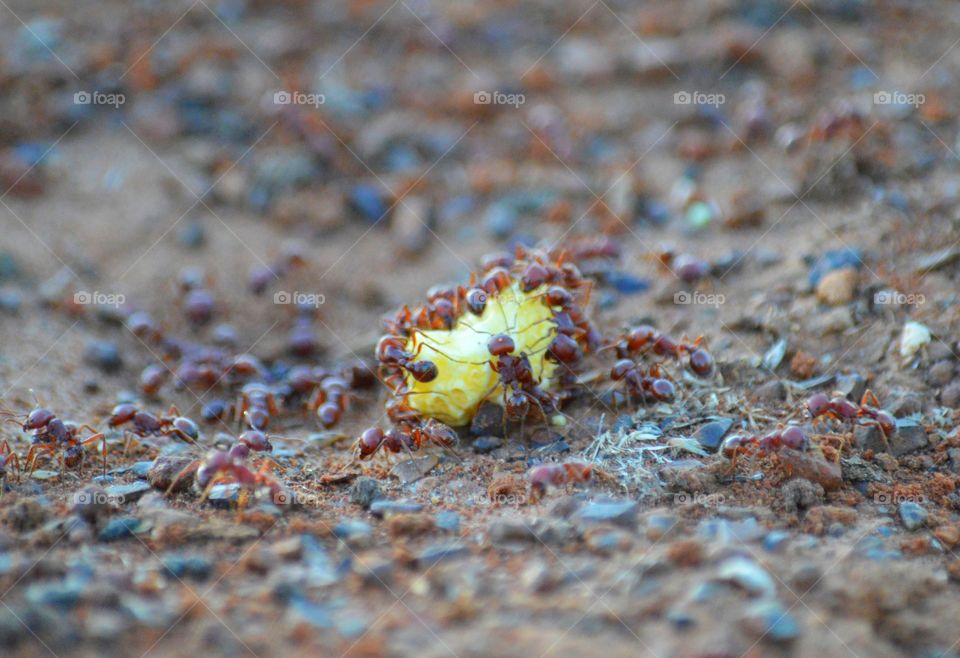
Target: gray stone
(623, 513)
(772, 391)
(711, 435)
(909, 437)
(364, 491)
(770, 621)
(128, 493)
(381, 508)
(440, 552)
(748, 575)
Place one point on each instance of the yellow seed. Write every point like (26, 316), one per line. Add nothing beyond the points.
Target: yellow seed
(465, 378)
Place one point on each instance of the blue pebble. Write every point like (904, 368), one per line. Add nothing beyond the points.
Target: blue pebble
(449, 521)
(834, 259)
(500, 220)
(10, 301)
(625, 283)
(368, 202)
(775, 540)
(912, 515)
(188, 567)
(119, 528)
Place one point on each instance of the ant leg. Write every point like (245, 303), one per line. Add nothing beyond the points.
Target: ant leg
(869, 398)
(92, 439)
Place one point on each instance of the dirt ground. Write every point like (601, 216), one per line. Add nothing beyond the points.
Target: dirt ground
(803, 155)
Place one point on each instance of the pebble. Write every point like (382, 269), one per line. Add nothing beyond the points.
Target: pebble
(224, 495)
(772, 391)
(711, 435)
(912, 515)
(364, 491)
(622, 513)
(834, 321)
(414, 468)
(488, 421)
(748, 575)
(726, 531)
(775, 540)
(503, 531)
(950, 396)
(485, 444)
(770, 621)
(128, 493)
(837, 287)
(626, 283)
(181, 566)
(10, 301)
(834, 259)
(167, 467)
(909, 437)
(103, 354)
(449, 521)
(500, 220)
(192, 235)
(852, 386)
(941, 373)
(441, 552)
(353, 531)
(367, 201)
(382, 508)
(119, 528)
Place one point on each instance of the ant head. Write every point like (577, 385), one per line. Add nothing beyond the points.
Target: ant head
(501, 345)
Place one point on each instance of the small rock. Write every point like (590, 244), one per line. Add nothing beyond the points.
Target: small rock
(382, 508)
(128, 493)
(837, 287)
(367, 201)
(834, 321)
(833, 260)
(364, 491)
(290, 548)
(485, 444)
(167, 467)
(449, 521)
(503, 531)
(941, 373)
(711, 435)
(905, 405)
(605, 541)
(411, 470)
(748, 575)
(488, 421)
(354, 532)
(869, 437)
(409, 525)
(119, 528)
(775, 540)
(950, 396)
(912, 515)
(772, 391)
(909, 437)
(770, 621)
(799, 494)
(194, 566)
(104, 355)
(623, 513)
(440, 552)
(810, 467)
(224, 495)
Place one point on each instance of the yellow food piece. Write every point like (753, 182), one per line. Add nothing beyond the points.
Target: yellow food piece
(465, 378)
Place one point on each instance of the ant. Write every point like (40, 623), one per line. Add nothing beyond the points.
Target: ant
(545, 475)
(791, 437)
(392, 353)
(147, 424)
(644, 338)
(406, 436)
(225, 466)
(515, 373)
(257, 403)
(51, 434)
(840, 408)
(640, 384)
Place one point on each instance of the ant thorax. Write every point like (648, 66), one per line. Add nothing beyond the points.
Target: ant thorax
(466, 373)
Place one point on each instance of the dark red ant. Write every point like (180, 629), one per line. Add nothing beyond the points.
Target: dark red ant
(406, 436)
(392, 353)
(791, 437)
(146, 424)
(840, 408)
(515, 373)
(330, 400)
(226, 466)
(50, 435)
(545, 475)
(152, 378)
(257, 403)
(641, 384)
(645, 338)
